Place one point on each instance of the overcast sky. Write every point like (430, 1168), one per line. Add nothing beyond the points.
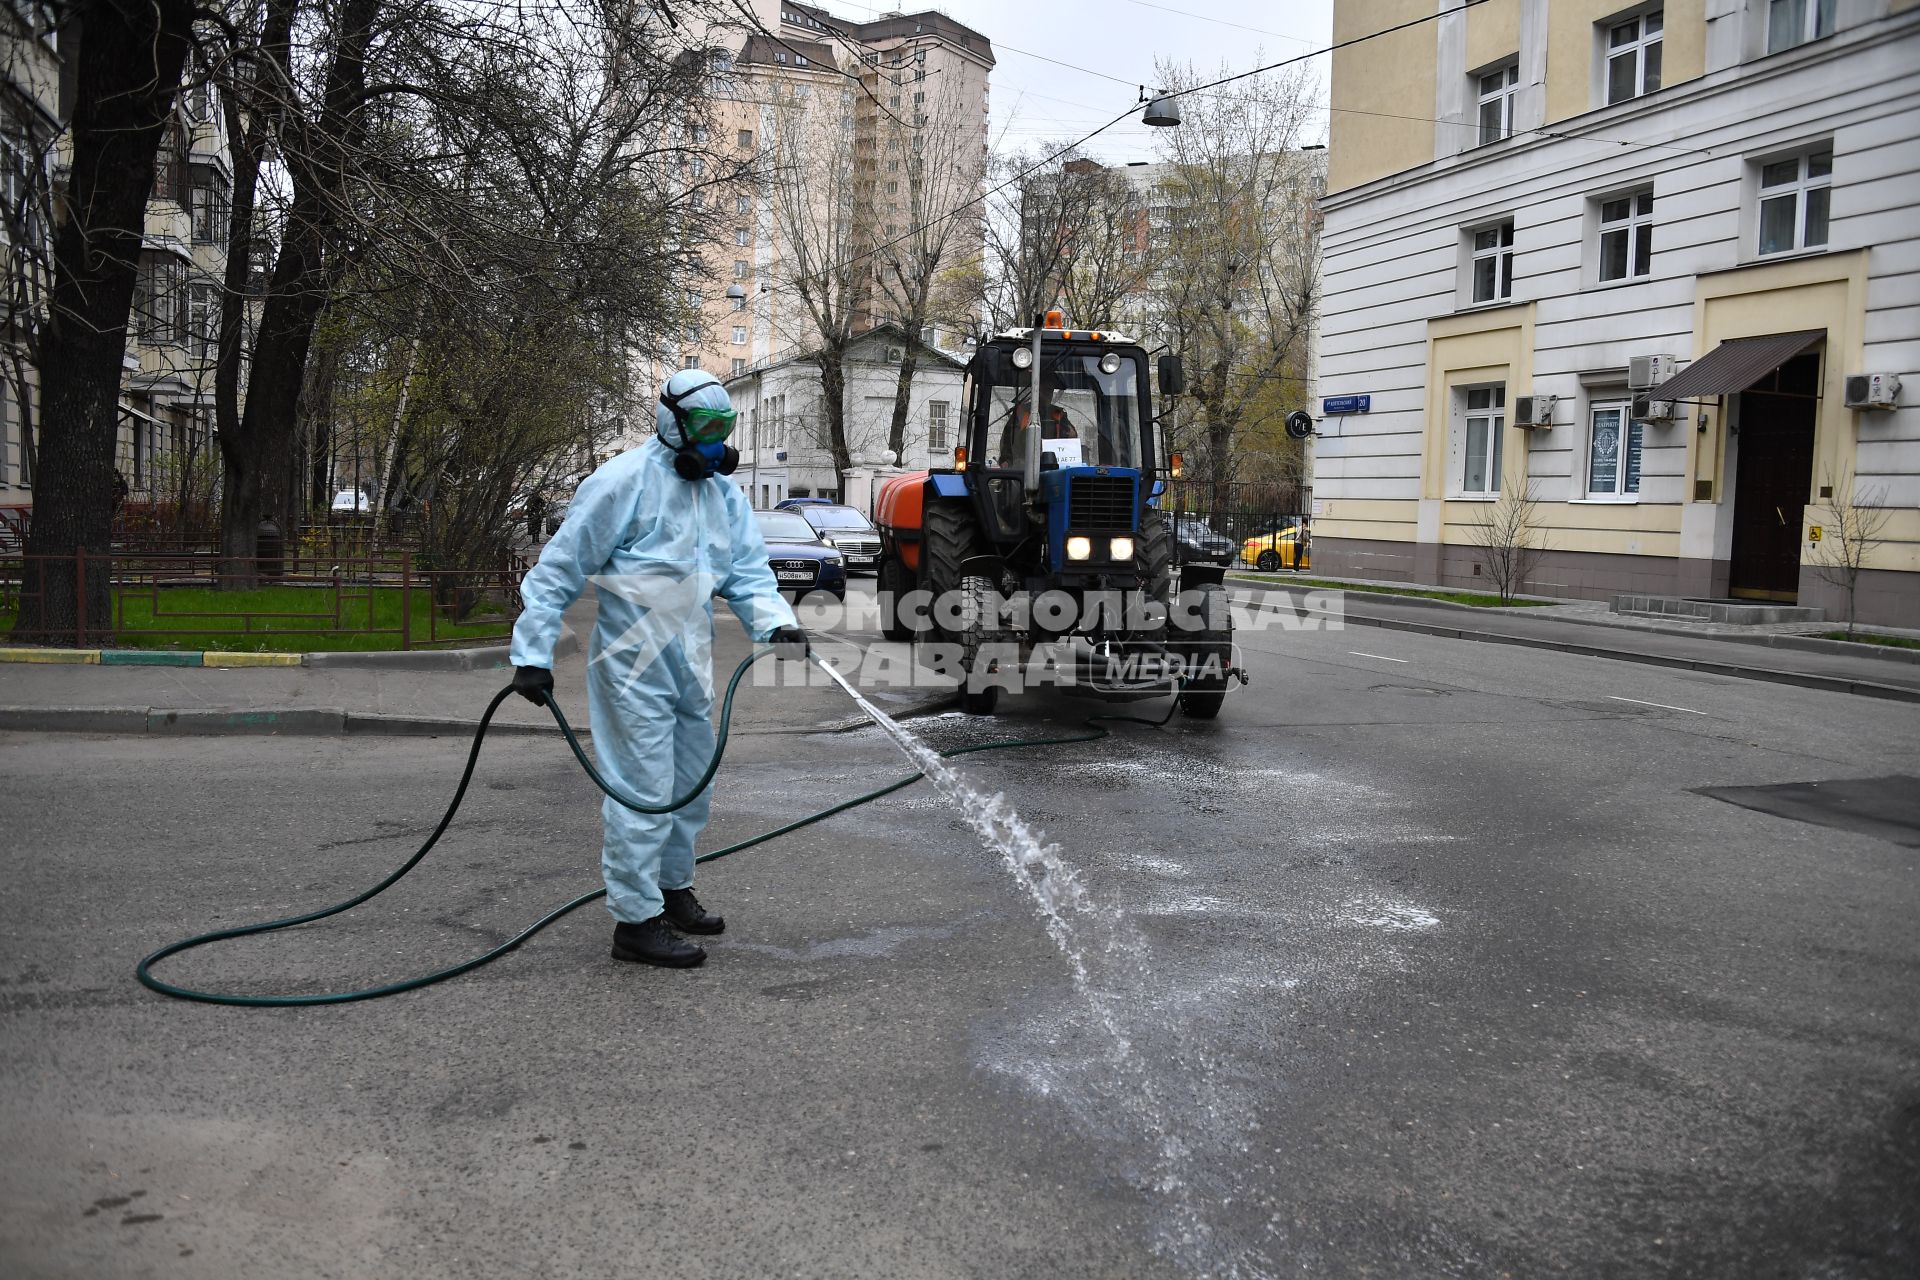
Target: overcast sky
(1035, 101)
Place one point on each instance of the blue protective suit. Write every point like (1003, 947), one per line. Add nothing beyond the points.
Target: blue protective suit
(657, 548)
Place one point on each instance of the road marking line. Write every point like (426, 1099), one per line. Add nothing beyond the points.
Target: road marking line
(1663, 706)
(1383, 657)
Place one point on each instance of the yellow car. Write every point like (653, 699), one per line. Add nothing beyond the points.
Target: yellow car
(1278, 549)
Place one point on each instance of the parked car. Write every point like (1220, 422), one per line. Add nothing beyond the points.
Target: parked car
(791, 504)
(1195, 542)
(844, 529)
(1277, 549)
(352, 502)
(801, 562)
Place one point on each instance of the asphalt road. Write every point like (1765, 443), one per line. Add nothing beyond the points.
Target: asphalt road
(1426, 958)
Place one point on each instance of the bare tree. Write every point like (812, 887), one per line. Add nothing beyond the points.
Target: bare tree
(126, 74)
(1508, 531)
(1856, 521)
(1237, 269)
(943, 170)
(816, 214)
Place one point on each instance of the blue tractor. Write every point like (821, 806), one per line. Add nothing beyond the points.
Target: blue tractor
(1040, 549)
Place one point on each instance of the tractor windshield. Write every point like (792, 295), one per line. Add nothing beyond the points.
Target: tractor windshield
(1087, 418)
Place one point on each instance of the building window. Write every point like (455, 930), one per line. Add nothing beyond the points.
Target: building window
(159, 299)
(1493, 263)
(203, 320)
(1633, 56)
(740, 235)
(1793, 201)
(1795, 22)
(1613, 451)
(1486, 418)
(1626, 236)
(937, 425)
(740, 303)
(739, 268)
(743, 204)
(697, 166)
(1497, 89)
(745, 138)
(739, 366)
(691, 333)
(689, 362)
(739, 335)
(209, 205)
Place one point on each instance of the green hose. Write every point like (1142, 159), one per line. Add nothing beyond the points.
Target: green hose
(1093, 732)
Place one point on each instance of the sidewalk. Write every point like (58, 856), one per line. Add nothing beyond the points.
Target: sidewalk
(1584, 629)
(363, 699)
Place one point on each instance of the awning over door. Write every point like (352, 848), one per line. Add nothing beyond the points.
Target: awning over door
(1735, 365)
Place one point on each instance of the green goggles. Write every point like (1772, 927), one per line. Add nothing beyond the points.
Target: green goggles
(708, 426)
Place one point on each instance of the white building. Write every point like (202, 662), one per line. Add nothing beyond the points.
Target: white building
(782, 432)
(1733, 184)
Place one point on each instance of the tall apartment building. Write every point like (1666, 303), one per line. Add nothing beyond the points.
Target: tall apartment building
(1643, 261)
(875, 92)
(166, 401)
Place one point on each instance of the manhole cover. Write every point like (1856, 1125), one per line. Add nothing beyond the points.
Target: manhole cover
(1888, 808)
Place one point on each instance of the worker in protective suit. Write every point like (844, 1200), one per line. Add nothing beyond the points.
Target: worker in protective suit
(659, 531)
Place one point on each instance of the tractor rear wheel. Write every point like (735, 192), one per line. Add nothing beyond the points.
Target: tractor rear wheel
(893, 584)
(1155, 554)
(1212, 646)
(948, 539)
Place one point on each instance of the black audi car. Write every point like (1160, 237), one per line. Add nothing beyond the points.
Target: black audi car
(801, 561)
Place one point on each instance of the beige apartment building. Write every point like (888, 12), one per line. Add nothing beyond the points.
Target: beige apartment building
(875, 96)
(1655, 265)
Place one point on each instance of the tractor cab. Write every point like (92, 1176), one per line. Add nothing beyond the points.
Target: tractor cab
(1066, 481)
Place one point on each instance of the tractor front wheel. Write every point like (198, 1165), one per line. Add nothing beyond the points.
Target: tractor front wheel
(1201, 696)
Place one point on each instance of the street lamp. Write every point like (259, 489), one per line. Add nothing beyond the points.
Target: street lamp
(1161, 113)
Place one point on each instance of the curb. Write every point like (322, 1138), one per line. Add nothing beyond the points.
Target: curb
(486, 658)
(267, 721)
(1770, 639)
(1802, 679)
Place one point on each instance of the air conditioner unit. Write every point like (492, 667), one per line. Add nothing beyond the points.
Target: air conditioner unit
(1644, 373)
(1534, 411)
(1872, 390)
(1647, 409)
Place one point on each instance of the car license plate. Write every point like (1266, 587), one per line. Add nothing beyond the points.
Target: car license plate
(793, 575)
(861, 559)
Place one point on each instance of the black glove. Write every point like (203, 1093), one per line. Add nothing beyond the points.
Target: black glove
(790, 644)
(533, 684)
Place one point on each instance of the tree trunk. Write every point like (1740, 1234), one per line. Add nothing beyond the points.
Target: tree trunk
(833, 395)
(902, 403)
(127, 72)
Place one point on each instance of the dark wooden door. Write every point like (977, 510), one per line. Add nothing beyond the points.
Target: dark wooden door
(1772, 477)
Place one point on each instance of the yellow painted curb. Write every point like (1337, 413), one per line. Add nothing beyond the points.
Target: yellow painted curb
(87, 657)
(218, 658)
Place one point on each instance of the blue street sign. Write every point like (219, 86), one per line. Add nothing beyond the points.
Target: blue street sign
(1346, 404)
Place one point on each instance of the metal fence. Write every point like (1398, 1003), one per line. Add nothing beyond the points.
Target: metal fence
(180, 599)
(1258, 527)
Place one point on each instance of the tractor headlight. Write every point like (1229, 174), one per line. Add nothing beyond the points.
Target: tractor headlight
(1110, 363)
(1023, 357)
(1079, 548)
(1120, 549)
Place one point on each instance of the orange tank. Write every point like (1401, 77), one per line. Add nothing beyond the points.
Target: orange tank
(898, 511)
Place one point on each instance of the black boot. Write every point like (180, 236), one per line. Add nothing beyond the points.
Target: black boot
(688, 915)
(655, 942)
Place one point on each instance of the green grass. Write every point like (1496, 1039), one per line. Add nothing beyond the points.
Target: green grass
(1873, 637)
(191, 618)
(1477, 599)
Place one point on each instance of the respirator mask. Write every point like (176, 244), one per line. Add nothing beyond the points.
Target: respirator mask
(702, 450)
